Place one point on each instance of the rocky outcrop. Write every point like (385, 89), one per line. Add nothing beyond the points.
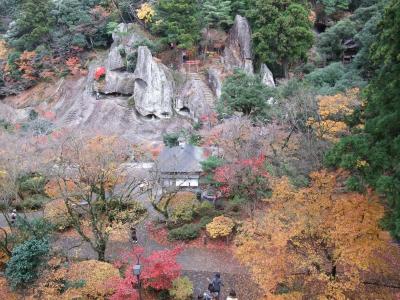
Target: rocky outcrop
(267, 77)
(154, 86)
(238, 48)
(117, 79)
(215, 81)
(195, 99)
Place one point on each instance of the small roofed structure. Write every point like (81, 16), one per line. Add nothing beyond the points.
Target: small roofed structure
(180, 166)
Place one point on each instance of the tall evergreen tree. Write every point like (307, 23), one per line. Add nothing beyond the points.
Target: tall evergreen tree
(374, 155)
(32, 26)
(281, 30)
(178, 21)
(217, 13)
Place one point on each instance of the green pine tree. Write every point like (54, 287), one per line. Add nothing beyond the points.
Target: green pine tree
(32, 26)
(217, 13)
(178, 21)
(245, 94)
(283, 34)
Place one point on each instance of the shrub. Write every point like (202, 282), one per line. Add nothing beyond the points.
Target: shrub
(236, 203)
(34, 202)
(182, 207)
(182, 289)
(38, 228)
(206, 208)
(89, 278)
(220, 227)
(204, 221)
(25, 262)
(56, 212)
(131, 61)
(171, 139)
(186, 232)
(32, 183)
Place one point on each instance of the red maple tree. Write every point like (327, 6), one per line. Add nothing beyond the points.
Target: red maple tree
(159, 270)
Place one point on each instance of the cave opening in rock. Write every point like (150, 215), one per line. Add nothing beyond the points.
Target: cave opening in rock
(185, 110)
(151, 117)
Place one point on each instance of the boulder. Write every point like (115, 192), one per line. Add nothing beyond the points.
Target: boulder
(215, 81)
(118, 83)
(154, 86)
(238, 48)
(267, 77)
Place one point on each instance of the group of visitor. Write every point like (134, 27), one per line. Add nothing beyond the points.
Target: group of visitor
(213, 291)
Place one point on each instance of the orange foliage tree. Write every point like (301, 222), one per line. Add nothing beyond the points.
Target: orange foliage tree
(318, 242)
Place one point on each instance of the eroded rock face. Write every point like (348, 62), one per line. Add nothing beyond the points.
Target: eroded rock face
(238, 48)
(124, 37)
(195, 99)
(215, 81)
(267, 77)
(154, 86)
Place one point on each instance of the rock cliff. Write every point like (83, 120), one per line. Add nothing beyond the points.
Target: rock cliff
(238, 48)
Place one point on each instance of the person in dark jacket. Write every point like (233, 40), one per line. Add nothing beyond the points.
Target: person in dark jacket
(217, 283)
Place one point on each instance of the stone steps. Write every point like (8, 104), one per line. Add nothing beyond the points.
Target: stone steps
(208, 94)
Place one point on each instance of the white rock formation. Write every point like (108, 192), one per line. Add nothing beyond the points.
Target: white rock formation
(267, 77)
(154, 86)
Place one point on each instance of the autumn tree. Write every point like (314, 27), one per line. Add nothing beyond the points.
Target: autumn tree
(318, 241)
(98, 192)
(334, 111)
(247, 178)
(160, 269)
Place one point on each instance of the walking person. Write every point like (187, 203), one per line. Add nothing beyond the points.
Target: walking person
(133, 235)
(217, 283)
(232, 295)
(13, 217)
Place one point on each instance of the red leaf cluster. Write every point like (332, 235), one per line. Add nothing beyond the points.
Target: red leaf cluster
(158, 271)
(100, 72)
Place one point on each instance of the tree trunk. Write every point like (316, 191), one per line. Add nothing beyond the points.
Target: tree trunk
(285, 66)
(101, 250)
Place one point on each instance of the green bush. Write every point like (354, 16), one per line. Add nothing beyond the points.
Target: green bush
(182, 289)
(25, 261)
(186, 232)
(204, 221)
(236, 203)
(34, 202)
(205, 209)
(171, 139)
(38, 228)
(32, 183)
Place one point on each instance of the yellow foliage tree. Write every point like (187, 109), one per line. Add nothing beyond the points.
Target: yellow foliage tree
(220, 227)
(145, 13)
(318, 242)
(93, 275)
(332, 112)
